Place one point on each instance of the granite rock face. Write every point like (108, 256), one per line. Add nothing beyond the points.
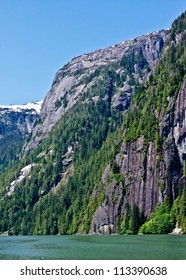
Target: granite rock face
(79, 75)
(147, 177)
(180, 123)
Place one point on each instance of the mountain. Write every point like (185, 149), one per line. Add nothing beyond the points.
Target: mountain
(107, 154)
(16, 123)
(129, 63)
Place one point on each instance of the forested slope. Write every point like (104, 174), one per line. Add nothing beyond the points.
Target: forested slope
(110, 149)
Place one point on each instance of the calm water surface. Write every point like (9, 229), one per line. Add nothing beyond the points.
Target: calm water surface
(126, 247)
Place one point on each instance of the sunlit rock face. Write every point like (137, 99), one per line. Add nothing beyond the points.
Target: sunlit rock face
(74, 80)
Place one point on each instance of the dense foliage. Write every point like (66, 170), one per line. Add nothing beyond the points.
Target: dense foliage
(13, 132)
(9, 149)
(159, 221)
(56, 197)
(81, 144)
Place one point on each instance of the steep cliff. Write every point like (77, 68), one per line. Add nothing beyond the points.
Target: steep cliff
(131, 61)
(147, 175)
(180, 123)
(151, 161)
(109, 146)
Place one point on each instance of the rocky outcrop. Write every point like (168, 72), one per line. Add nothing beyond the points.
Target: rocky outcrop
(141, 176)
(147, 176)
(18, 119)
(23, 174)
(77, 77)
(177, 230)
(16, 124)
(180, 123)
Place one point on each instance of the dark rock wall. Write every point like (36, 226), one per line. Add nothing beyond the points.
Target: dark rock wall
(147, 175)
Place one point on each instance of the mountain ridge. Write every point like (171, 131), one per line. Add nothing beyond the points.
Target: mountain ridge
(107, 153)
(70, 82)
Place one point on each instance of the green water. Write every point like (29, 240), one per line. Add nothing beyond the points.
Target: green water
(126, 247)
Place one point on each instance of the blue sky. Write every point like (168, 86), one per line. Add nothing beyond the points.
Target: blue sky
(37, 37)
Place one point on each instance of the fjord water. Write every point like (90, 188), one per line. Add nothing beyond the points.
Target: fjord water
(86, 247)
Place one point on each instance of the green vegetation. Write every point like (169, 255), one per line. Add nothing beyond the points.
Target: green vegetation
(63, 190)
(132, 59)
(10, 147)
(152, 99)
(149, 105)
(159, 221)
(164, 219)
(178, 26)
(184, 167)
(133, 220)
(62, 101)
(12, 137)
(48, 203)
(178, 210)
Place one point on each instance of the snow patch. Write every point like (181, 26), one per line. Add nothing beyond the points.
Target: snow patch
(24, 172)
(28, 106)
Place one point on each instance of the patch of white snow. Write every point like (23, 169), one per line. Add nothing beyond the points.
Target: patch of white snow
(24, 172)
(28, 106)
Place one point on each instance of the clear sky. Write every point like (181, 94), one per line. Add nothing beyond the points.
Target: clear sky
(37, 37)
